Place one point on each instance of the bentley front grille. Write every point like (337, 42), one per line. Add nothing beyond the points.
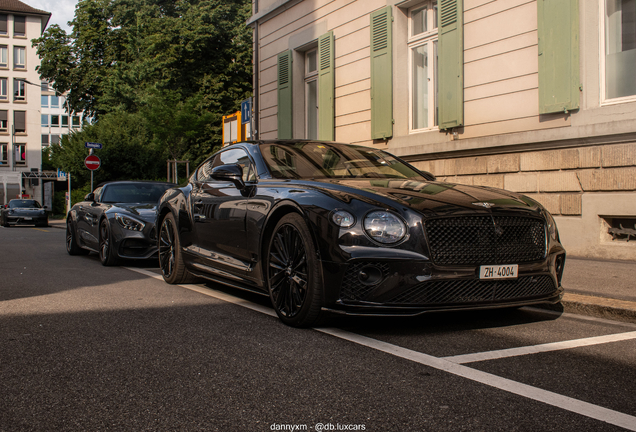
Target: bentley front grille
(476, 240)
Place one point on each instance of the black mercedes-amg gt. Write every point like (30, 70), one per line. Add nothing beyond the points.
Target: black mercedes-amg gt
(116, 220)
(324, 226)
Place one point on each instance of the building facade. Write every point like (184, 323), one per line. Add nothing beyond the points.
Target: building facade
(56, 121)
(20, 147)
(534, 96)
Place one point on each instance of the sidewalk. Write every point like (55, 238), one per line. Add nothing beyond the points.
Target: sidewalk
(605, 289)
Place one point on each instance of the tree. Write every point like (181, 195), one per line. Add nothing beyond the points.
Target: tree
(175, 66)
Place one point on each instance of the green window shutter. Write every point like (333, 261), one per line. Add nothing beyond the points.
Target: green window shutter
(326, 87)
(450, 55)
(558, 28)
(381, 74)
(285, 117)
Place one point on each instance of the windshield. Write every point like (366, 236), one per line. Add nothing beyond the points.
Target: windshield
(24, 204)
(133, 192)
(307, 160)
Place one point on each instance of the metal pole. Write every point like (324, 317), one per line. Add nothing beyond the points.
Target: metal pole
(90, 152)
(68, 204)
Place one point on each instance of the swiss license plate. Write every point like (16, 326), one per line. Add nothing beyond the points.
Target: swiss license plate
(508, 271)
(27, 218)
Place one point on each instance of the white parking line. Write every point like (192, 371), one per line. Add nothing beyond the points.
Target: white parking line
(553, 346)
(567, 403)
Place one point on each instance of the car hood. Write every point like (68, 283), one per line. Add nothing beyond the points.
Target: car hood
(146, 211)
(431, 198)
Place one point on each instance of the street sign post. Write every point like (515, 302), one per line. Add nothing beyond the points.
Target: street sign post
(92, 162)
(92, 145)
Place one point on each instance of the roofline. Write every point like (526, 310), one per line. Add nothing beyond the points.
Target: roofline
(40, 14)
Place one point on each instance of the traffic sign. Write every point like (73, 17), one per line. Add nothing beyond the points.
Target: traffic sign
(93, 145)
(246, 111)
(92, 162)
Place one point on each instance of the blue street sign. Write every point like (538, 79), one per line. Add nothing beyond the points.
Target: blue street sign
(93, 145)
(246, 111)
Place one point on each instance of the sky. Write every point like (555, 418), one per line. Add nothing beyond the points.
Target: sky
(62, 11)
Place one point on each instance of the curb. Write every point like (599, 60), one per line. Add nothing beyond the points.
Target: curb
(599, 307)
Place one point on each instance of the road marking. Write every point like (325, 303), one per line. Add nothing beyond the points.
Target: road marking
(40, 229)
(550, 398)
(553, 346)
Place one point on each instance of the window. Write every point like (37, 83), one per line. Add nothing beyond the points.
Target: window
(64, 121)
(55, 102)
(3, 24)
(44, 85)
(19, 90)
(19, 57)
(422, 45)
(620, 48)
(4, 124)
(19, 25)
(45, 101)
(76, 121)
(45, 120)
(55, 139)
(19, 121)
(235, 156)
(4, 154)
(55, 120)
(4, 56)
(45, 140)
(4, 89)
(311, 95)
(20, 154)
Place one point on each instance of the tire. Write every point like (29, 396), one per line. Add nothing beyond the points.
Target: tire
(107, 254)
(71, 241)
(293, 273)
(173, 268)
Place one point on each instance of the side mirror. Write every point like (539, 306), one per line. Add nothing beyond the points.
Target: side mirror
(90, 197)
(229, 172)
(45, 207)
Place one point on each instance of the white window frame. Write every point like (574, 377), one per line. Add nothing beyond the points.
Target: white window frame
(311, 76)
(602, 42)
(16, 150)
(4, 92)
(16, 57)
(4, 149)
(19, 90)
(5, 63)
(427, 38)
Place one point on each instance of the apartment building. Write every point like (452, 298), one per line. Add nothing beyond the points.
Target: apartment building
(56, 120)
(534, 96)
(20, 148)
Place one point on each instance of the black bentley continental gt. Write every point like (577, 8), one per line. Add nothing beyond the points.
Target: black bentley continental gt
(323, 226)
(116, 220)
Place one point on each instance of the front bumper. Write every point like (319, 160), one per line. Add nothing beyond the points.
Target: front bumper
(135, 244)
(26, 220)
(411, 287)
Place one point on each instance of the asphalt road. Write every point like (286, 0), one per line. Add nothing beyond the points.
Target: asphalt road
(89, 348)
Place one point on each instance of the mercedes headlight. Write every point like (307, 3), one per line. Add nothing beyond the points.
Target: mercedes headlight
(129, 223)
(384, 227)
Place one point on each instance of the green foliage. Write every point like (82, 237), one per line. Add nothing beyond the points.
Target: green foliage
(170, 68)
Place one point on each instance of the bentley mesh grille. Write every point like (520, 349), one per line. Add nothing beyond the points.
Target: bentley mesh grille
(475, 291)
(473, 240)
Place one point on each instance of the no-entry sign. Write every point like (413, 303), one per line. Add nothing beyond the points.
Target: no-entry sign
(92, 162)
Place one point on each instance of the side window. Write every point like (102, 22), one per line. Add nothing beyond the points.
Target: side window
(236, 156)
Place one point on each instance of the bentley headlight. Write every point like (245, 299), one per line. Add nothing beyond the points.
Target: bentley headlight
(384, 227)
(552, 228)
(129, 223)
(343, 218)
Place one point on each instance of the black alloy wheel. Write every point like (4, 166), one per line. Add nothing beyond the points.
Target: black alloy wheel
(171, 262)
(106, 253)
(293, 273)
(71, 241)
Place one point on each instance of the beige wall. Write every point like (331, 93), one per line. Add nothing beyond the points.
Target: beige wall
(581, 165)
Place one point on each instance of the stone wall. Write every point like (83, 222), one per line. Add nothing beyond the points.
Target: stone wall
(555, 178)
